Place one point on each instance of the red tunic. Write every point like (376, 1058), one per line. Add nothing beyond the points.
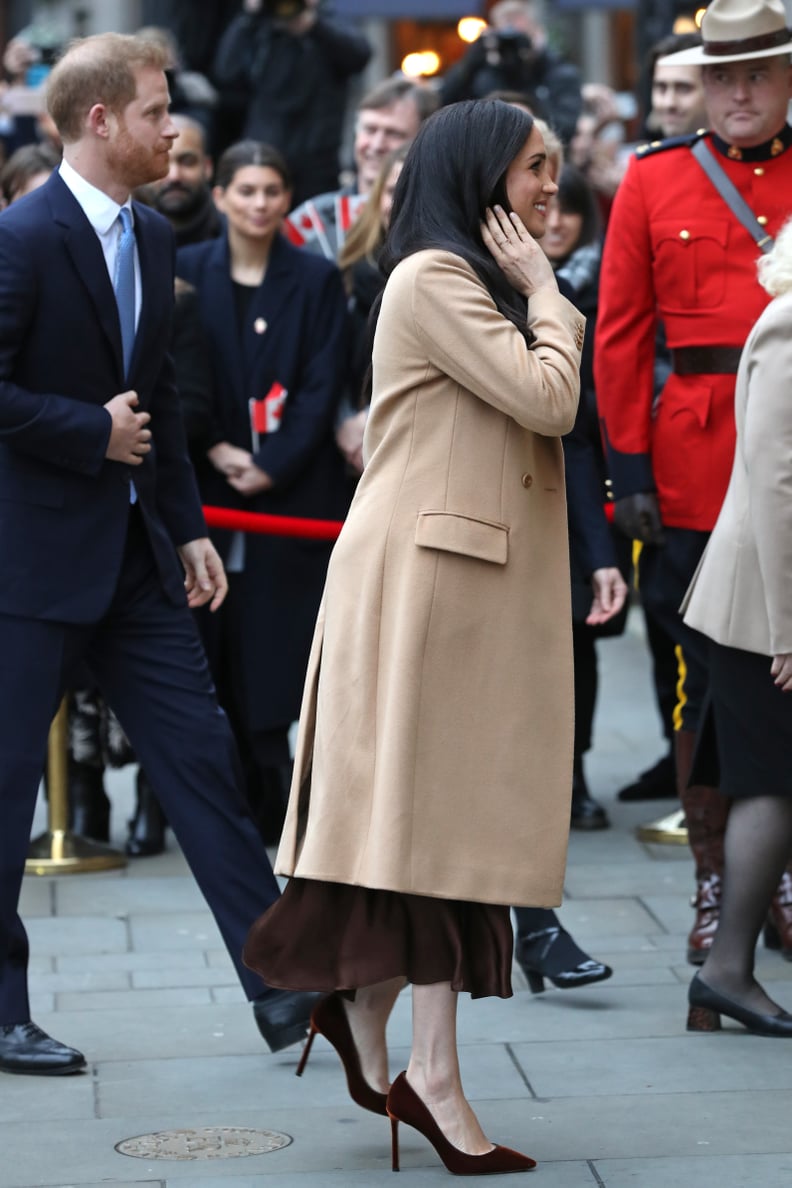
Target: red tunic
(675, 251)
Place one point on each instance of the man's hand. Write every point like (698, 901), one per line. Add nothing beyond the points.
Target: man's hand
(781, 670)
(610, 591)
(205, 577)
(638, 517)
(130, 440)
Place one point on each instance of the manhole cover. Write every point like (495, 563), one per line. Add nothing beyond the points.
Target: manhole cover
(211, 1142)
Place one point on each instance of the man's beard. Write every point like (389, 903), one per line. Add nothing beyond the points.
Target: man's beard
(189, 202)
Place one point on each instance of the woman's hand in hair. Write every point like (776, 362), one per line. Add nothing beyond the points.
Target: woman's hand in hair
(516, 253)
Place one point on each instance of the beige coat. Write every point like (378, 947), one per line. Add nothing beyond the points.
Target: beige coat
(435, 744)
(741, 594)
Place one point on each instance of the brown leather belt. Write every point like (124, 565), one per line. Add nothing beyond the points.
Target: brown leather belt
(706, 360)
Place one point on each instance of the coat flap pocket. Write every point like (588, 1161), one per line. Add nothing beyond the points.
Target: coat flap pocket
(463, 534)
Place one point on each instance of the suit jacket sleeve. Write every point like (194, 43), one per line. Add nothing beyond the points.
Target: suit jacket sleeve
(767, 450)
(468, 339)
(625, 339)
(54, 428)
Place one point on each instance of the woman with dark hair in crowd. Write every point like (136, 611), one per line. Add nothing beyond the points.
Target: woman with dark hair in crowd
(364, 281)
(432, 774)
(275, 322)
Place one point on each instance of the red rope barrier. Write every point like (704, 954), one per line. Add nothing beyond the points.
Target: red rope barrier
(266, 525)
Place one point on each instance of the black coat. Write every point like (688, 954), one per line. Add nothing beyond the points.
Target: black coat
(295, 333)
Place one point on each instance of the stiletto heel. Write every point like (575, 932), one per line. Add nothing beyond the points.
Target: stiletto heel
(404, 1105)
(394, 1143)
(707, 1006)
(535, 981)
(329, 1019)
(306, 1050)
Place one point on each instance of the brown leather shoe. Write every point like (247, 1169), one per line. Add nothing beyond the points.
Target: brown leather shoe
(778, 929)
(707, 902)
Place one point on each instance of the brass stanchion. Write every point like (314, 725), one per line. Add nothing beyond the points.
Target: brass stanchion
(58, 851)
(667, 831)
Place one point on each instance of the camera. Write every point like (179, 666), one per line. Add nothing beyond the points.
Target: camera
(283, 10)
(508, 49)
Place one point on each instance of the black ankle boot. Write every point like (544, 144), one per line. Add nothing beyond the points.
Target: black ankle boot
(89, 807)
(552, 953)
(147, 827)
(587, 813)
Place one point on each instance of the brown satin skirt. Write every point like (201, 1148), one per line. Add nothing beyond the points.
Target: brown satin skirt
(331, 936)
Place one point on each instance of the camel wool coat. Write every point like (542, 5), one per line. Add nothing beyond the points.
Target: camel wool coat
(434, 753)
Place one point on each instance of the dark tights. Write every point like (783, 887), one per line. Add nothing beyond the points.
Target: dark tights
(757, 846)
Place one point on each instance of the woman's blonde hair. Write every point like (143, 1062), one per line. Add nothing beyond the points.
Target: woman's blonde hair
(553, 147)
(775, 269)
(367, 233)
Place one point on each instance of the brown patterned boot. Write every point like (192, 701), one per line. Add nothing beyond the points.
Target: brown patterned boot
(778, 929)
(706, 812)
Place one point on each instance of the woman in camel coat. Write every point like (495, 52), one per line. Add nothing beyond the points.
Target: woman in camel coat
(433, 768)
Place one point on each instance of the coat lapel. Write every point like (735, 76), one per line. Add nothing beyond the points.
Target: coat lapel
(270, 308)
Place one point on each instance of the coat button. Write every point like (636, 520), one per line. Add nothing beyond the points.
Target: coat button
(527, 480)
(759, 172)
(684, 235)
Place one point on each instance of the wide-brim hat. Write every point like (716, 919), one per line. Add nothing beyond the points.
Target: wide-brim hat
(737, 31)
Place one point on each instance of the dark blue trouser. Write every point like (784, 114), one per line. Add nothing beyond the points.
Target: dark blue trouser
(147, 658)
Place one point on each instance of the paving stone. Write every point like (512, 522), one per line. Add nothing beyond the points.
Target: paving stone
(145, 999)
(85, 980)
(155, 979)
(23, 1099)
(688, 1064)
(193, 958)
(736, 1171)
(180, 930)
(129, 897)
(36, 898)
(77, 934)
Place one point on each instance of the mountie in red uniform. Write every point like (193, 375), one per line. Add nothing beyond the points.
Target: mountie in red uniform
(675, 251)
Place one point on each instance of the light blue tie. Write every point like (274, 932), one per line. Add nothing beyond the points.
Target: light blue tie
(124, 285)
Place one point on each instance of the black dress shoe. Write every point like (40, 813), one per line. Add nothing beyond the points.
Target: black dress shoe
(707, 1006)
(284, 1016)
(552, 953)
(656, 783)
(147, 827)
(25, 1048)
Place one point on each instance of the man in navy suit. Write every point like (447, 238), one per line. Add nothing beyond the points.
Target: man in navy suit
(97, 505)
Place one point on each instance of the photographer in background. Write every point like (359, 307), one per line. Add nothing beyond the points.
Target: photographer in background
(292, 64)
(513, 55)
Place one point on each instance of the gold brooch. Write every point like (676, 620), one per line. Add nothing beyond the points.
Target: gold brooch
(734, 153)
(776, 147)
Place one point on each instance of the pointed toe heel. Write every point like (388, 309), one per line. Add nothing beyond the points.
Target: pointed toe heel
(329, 1019)
(404, 1105)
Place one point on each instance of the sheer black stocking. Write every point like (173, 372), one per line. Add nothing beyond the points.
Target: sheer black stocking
(757, 846)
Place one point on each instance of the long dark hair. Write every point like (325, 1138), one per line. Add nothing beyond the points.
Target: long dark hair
(455, 169)
(575, 196)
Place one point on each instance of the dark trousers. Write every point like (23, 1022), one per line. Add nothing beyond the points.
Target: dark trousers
(146, 657)
(665, 574)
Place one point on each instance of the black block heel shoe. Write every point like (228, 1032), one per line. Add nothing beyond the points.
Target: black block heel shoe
(552, 953)
(707, 1006)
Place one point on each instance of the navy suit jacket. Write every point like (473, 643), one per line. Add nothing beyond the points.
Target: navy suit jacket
(63, 505)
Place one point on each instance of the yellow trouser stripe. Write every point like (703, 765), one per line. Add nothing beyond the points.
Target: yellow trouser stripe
(680, 688)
